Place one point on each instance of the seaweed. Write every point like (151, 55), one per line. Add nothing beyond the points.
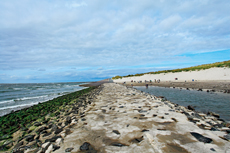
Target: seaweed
(23, 119)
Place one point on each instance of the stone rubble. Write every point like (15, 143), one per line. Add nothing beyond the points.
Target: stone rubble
(114, 118)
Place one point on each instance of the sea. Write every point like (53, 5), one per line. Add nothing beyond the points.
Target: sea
(17, 96)
(202, 101)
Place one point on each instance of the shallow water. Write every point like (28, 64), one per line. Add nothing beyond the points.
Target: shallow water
(18, 96)
(203, 101)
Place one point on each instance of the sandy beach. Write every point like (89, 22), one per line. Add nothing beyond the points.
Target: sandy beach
(215, 79)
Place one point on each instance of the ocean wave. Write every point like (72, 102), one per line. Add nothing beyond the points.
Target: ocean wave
(7, 101)
(27, 98)
(18, 106)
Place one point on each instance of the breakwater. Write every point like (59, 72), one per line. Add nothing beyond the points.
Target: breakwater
(114, 118)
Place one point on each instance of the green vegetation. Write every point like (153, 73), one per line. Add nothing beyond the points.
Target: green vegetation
(24, 118)
(194, 68)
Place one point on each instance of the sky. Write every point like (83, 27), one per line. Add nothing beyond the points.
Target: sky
(90, 40)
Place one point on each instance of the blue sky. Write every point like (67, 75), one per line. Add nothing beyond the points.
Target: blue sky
(61, 41)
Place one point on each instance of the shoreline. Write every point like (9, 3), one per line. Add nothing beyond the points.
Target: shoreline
(208, 86)
(121, 118)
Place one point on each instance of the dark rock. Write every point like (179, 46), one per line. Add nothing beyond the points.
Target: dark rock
(42, 129)
(54, 127)
(226, 91)
(213, 114)
(58, 131)
(191, 108)
(174, 119)
(136, 140)
(47, 134)
(166, 113)
(201, 138)
(18, 145)
(142, 111)
(55, 147)
(103, 111)
(83, 119)
(37, 124)
(67, 131)
(43, 132)
(214, 129)
(46, 121)
(118, 144)
(218, 125)
(197, 115)
(144, 130)
(68, 120)
(220, 119)
(212, 149)
(154, 115)
(68, 149)
(53, 139)
(199, 89)
(116, 131)
(207, 90)
(30, 138)
(227, 137)
(85, 146)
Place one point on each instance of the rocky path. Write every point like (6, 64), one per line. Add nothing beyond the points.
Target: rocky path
(122, 119)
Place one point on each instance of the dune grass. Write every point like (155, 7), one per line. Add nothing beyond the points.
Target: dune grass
(194, 68)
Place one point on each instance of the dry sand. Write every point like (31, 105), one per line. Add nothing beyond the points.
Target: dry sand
(217, 79)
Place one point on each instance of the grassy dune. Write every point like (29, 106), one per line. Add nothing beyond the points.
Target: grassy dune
(194, 68)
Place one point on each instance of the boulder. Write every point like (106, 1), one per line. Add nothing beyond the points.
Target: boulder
(85, 146)
(116, 131)
(30, 138)
(58, 131)
(190, 107)
(68, 149)
(201, 138)
(53, 139)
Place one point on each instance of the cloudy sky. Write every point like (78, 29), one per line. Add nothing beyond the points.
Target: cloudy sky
(86, 40)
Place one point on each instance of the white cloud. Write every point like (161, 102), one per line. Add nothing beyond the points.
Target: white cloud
(79, 34)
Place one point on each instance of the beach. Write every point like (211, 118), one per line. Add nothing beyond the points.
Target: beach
(114, 118)
(214, 79)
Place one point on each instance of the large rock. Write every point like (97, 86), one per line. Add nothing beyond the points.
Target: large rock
(42, 129)
(30, 138)
(201, 138)
(191, 108)
(53, 139)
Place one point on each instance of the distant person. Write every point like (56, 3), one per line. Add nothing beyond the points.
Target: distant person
(147, 86)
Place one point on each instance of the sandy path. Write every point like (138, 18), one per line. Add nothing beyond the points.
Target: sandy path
(123, 119)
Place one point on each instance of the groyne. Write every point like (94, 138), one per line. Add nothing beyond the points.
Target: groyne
(114, 118)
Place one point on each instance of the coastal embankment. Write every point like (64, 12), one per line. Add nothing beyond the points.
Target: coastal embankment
(121, 119)
(213, 79)
(114, 118)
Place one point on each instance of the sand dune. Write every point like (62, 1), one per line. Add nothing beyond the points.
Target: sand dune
(212, 74)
